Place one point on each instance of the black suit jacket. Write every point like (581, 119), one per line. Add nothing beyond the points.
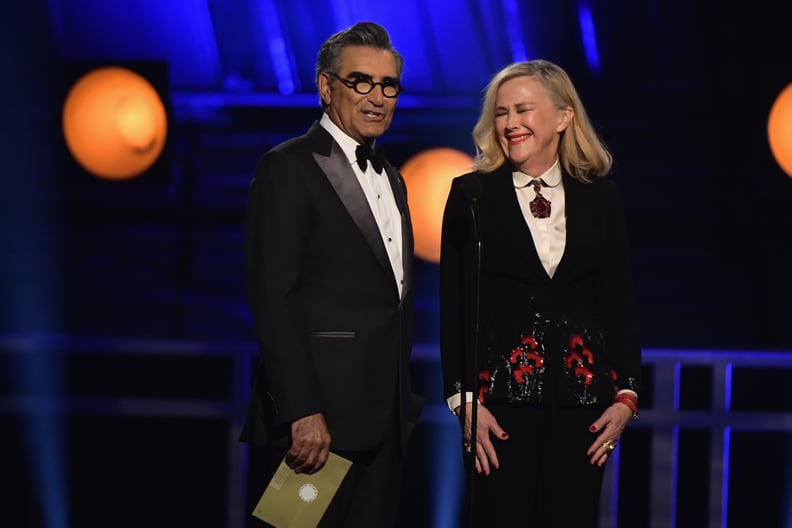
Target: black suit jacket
(335, 336)
(591, 292)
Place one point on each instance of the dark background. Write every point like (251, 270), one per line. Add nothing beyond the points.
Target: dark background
(125, 340)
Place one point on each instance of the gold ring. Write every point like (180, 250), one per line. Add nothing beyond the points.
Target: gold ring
(609, 446)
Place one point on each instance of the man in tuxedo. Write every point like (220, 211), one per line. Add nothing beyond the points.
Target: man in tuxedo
(329, 253)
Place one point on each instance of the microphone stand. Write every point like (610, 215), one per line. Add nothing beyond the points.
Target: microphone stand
(474, 364)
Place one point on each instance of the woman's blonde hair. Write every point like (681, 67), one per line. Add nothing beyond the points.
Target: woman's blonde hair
(581, 152)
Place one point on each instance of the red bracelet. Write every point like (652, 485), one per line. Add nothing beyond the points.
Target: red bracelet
(630, 401)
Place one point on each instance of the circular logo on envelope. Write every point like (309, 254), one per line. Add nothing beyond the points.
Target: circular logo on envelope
(308, 492)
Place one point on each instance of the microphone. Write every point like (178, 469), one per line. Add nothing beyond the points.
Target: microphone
(472, 190)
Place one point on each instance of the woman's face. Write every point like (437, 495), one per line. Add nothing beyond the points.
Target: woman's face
(528, 125)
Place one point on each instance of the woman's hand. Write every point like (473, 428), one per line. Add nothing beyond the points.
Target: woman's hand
(610, 426)
(486, 427)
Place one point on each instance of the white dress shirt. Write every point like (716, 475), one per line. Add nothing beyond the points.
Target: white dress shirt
(380, 198)
(549, 234)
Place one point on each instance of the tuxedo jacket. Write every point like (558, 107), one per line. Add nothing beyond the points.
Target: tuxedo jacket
(334, 334)
(571, 339)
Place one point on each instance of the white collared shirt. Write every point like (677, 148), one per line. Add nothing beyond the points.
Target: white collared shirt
(549, 234)
(380, 198)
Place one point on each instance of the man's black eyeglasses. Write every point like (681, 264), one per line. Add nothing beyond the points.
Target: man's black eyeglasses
(364, 85)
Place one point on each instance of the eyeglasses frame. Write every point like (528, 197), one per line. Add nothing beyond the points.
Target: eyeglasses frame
(354, 86)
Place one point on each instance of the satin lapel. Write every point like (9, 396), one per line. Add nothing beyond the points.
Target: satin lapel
(574, 228)
(342, 178)
(511, 215)
(399, 193)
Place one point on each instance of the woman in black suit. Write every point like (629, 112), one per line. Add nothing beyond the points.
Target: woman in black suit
(537, 312)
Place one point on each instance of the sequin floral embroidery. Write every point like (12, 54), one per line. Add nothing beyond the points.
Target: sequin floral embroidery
(579, 363)
(525, 360)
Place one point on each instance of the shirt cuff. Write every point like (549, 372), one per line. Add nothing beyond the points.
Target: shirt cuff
(456, 400)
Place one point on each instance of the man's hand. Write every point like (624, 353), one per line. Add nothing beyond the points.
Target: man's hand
(310, 445)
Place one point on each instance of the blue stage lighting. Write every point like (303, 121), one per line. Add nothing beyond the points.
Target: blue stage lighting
(448, 475)
(277, 47)
(37, 374)
(589, 37)
(512, 18)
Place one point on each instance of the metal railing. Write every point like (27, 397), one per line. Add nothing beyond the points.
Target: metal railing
(664, 418)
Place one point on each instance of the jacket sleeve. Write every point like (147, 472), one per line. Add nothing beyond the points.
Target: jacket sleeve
(616, 296)
(457, 290)
(277, 222)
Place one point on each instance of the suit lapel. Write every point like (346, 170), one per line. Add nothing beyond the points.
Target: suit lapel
(399, 193)
(574, 228)
(335, 165)
(511, 215)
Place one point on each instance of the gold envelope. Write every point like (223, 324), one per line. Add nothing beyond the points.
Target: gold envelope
(294, 500)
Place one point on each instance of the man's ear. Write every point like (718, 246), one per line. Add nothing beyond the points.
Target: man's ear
(324, 87)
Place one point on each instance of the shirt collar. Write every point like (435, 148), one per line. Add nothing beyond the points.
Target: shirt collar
(551, 176)
(347, 144)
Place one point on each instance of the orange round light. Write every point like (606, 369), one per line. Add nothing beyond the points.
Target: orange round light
(779, 129)
(114, 123)
(428, 178)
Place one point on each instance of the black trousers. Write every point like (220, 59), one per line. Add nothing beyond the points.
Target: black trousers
(545, 478)
(368, 497)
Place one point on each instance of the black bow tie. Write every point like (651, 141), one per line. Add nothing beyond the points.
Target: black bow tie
(376, 156)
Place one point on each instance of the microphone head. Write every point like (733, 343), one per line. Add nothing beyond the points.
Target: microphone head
(471, 187)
